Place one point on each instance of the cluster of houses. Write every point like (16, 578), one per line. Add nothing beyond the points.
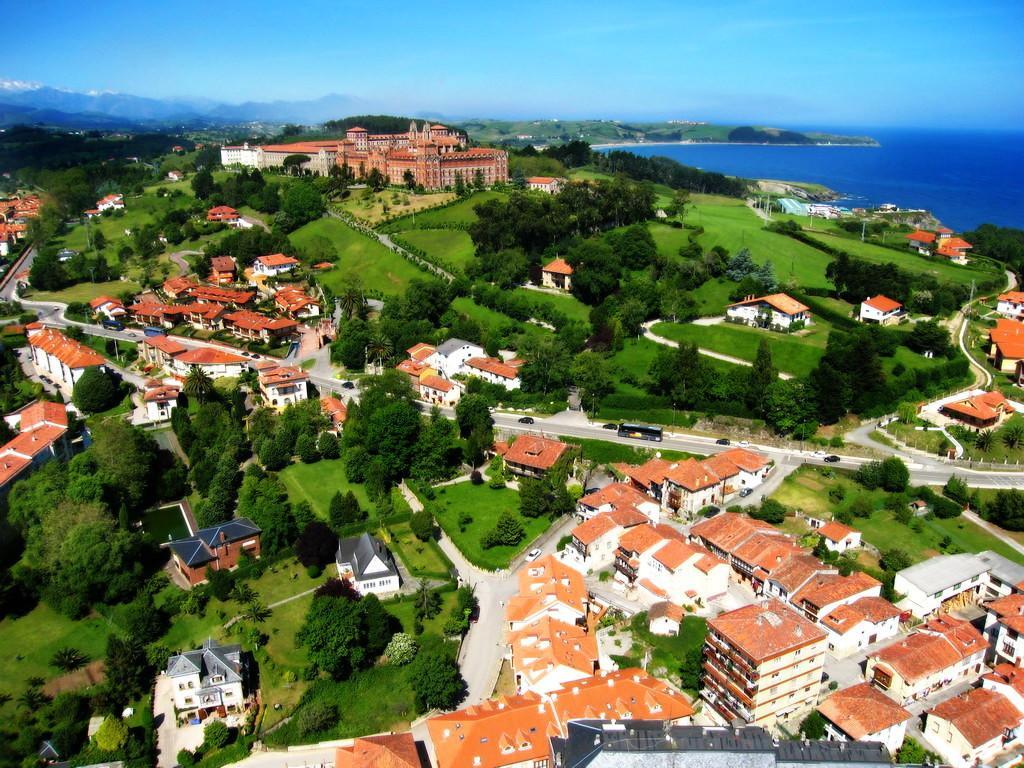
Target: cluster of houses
(112, 202)
(940, 242)
(437, 373)
(42, 435)
(15, 213)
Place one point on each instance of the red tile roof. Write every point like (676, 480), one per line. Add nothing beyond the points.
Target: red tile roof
(208, 356)
(535, 452)
(1016, 297)
(161, 394)
(42, 412)
(620, 695)
(222, 213)
(544, 582)
(826, 589)
(70, 352)
(883, 303)
(334, 409)
(218, 295)
(281, 374)
(873, 609)
(729, 530)
(395, 750)
(787, 305)
(980, 715)
(765, 631)
(33, 442)
(558, 266)
(254, 321)
(920, 236)
(420, 352)
(223, 264)
(835, 531)
(937, 645)
(591, 530)
(276, 260)
(546, 642)
(165, 344)
(984, 407)
(431, 381)
(861, 711)
(494, 366)
(11, 466)
(615, 495)
(99, 301)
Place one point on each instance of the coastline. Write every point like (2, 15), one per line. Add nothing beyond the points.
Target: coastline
(875, 145)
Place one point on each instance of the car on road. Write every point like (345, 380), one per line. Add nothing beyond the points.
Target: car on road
(532, 555)
(254, 356)
(526, 420)
(832, 459)
(347, 385)
(819, 454)
(610, 426)
(723, 441)
(744, 443)
(744, 492)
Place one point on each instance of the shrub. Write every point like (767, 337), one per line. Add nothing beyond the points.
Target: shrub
(220, 583)
(422, 525)
(476, 478)
(401, 649)
(315, 717)
(186, 759)
(95, 391)
(314, 570)
(112, 734)
(215, 736)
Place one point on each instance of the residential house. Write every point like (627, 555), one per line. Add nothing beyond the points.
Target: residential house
(223, 270)
(947, 582)
(791, 574)
(824, 593)
(112, 202)
(176, 287)
(161, 350)
(62, 359)
(941, 652)
(636, 547)
(218, 547)
(387, 750)
(665, 618)
(617, 496)
(368, 564)
(335, 410)
(1006, 345)
(175, 175)
(1004, 628)
(211, 680)
(494, 371)
(215, 294)
(760, 555)
(863, 713)
(683, 573)
(548, 588)
(550, 184)
(547, 654)
(725, 533)
(776, 311)
(1011, 305)
(42, 436)
(160, 401)
(620, 694)
(449, 359)
(416, 364)
(282, 385)
(557, 274)
(296, 303)
(531, 455)
(437, 391)
(980, 411)
(108, 307)
(881, 310)
(215, 363)
(954, 248)
(594, 541)
(839, 537)
(921, 241)
(853, 626)
(254, 326)
(974, 728)
(224, 214)
(274, 264)
(762, 663)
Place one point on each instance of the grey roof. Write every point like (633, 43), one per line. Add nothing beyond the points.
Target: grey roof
(945, 571)
(360, 551)
(452, 345)
(211, 660)
(197, 550)
(654, 744)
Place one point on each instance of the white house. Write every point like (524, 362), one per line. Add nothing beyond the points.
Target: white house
(823, 593)
(975, 728)
(776, 311)
(108, 307)
(1004, 628)
(274, 264)
(664, 618)
(175, 175)
(449, 359)
(550, 184)
(160, 401)
(209, 680)
(239, 155)
(854, 626)
(214, 362)
(863, 713)
(548, 588)
(494, 371)
(110, 203)
(985, 575)
(595, 540)
(547, 654)
(617, 496)
(282, 385)
(63, 359)
(1011, 304)
(838, 537)
(368, 564)
(682, 573)
(438, 391)
(881, 310)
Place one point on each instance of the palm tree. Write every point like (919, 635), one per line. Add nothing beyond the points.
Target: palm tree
(68, 659)
(379, 349)
(243, 593)
(32, 699)
(351, 300)
(984, 440)
(256, 612)
(198, 384)
(1013, 435)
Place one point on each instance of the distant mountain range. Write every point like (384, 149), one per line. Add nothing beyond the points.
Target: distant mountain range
(22, 102)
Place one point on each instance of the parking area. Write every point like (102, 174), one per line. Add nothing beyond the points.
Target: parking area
(170, 739)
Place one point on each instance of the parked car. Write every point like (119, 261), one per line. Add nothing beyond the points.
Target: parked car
(744, 492)
(723, 441)
(610, 426)
(832, 459)
(526, 420)
(347, 385)
(819, 454)
(532, 555)
(744, 443)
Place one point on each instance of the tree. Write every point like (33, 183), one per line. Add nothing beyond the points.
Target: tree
(316, 717)
(426, 602)
(302, 203)
(929, 336)
(813, 726)
(111, 735)
(770, 511)
(984, 440)
(957, 490)
(316, 545)
(437, 452)
(68, 659)
(1013, 435)
(912, 753)
(379, 349)
(591, 376)
(895, 560)
(97, 562)
(127, 669)
(534, 497)
(409, 178)
(344, 510)
(436, 680)
(473, 412)
(215, 736)
(1006, 509)
(762, 375)
(422, 524)
(351, 299)
(95, 391)
(691, 668)
(507, 531)
(327, 446)
(305, 447)
(334, 636)
(203, 184)
(401, 649)
(198, 384)
(894, 475)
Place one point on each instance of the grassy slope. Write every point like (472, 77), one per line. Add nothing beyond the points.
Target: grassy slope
(370, 206)
(451, 246)
(493, 321)
(360, 257)
(567, 304)
(317, 483)
(459, 213)
(85, 292)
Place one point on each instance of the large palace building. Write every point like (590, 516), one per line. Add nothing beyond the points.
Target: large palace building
(435, 155)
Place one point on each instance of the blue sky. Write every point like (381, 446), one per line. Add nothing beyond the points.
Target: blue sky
(898, 62)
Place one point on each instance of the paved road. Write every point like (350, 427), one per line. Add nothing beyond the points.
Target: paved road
(649, 334)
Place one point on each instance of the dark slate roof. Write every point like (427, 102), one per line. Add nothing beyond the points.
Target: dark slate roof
(209, 661)
(359, 552)
(196, 550)
(654, 744)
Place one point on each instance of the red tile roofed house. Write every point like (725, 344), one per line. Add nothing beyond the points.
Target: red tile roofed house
(1006, 345)
(622, 694)
(616, 496)
(853, 626)
(547, 654)
(110, 203)
(420, 352)
(394, 750)
(532, 456)
(943, 651)
(686, 574)
(821, 594)
(974, 728)
(201, 315)
(760, 555)
(178, 286)
(921, 241)
(595, 540)
(881, 310)
(296, 303)
(839, 537)
(795, 571)
(980, 411)
(160, 401)
(776, 311)
(1008, 680)
(42, 436)
(863, 713)
(557, 274)
(550, 184)
(107, 306)
(1011, 304)
(548, 587)
(214, 362)
(223, 213)
(161, 350)
(212, 294)
(954, 249)
(1004, 626)
(283, 385)
(494, 371)
(723, 534)
(254, 326)
(762, 662)
(336, 411)
(437, 391)
(62, 358)
(223, 270)
(274, 264)
(664, 618)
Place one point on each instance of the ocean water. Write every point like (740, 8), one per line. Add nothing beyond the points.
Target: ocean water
(964, 178)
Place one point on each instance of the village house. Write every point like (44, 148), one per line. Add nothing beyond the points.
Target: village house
(941, 652)
(762, 663)
(759, 556)
(557, 274)
(225, 214)
(282, 385)
(495, 371)
(175, 175)
(615, 496)
(62, 359)
(335, 410)
(213, 294)
(223, 270)
(726, 533)
(531, 455)
(921, 241)
(776, 311)
(1004, 628)
(111, 202)
(881, 310)
(863, 713)
(274, 264)
(1011, 305)
(160, 351)
(594, 541)
(547, 654)
(176, 287)
(294, 302)
(387, 750)
(254, 326)
(953, 248)
(974, 728)
(838, 537)
(42, 436)
(791, 574)
(368, 564)
(548, 588)
(824, 593)
(160, 400)
(552, 185)
(437, 391)
(949, 582)
(672, 569)
(449, 359)
(980, 411)
(416, 364)
(218, 547)
(212, 680)
(108, 307)
(853, 626)
(215, 363)
(1006, 345)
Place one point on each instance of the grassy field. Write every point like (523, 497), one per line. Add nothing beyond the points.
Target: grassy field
(458, 213)
(484, 505)
(85, 292)
(567, 304)
(422, 558)
(449, 246)
(495, 323)
(713, 297)
(377, 268)
(668, 651)
(999, 451)
(796, 354)
(376, 207)
(603, 452)
(669, 239)
(405, 612)
(317, 483)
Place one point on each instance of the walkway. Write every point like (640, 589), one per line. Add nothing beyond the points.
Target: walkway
(649, 334)
(178, 258)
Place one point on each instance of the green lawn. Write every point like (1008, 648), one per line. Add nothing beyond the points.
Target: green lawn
(603, 452)
(792, 353)
(669, 239)
(376, 207)
(422, 558)
(85, 292)
(999, 451)
(360, 257)
(458, 213)
(668, 651)
(713, 296)
(495, 323)
(450, 247)
(317, 483)
(567, 304)
(484, 504)
(165, 523)
(405, 611)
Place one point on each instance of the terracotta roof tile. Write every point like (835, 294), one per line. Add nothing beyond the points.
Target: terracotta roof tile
(831, 588)
(394, 750)
(861, 711)
(764, 631)
(936, 646)
(557, 266)
(980, 715)
(72, 353)
(535, 452)
(780, 301)
(883, 303)
(836, 531)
